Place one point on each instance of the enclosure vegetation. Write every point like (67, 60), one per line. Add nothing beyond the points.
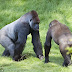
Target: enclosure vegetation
(48, 10)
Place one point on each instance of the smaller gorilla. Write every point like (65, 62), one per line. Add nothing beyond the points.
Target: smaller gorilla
(61, 36)
(14, 35)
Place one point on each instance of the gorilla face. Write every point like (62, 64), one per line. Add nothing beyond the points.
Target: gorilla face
(34, 23)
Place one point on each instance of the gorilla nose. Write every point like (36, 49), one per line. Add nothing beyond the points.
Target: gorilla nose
(37, 27)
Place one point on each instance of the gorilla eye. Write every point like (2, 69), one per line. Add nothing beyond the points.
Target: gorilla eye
(30, 19)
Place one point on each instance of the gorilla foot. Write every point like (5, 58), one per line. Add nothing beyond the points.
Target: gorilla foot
(22, 58)
(66, 64)
(46, 60)
(19, 58)
(7, 54)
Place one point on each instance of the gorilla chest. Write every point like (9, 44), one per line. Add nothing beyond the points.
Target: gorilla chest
(11, 34)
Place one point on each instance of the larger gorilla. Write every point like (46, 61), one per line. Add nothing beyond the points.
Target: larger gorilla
(14, 35)
(61, 36)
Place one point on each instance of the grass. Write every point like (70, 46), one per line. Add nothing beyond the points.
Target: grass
(48, 10)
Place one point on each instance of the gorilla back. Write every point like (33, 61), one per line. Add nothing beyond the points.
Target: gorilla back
(61, 35)
(14, 35)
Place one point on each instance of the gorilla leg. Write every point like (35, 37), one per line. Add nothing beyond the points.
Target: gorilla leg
(47, 50)
(6, 53)
(8, 45)
(67, 58)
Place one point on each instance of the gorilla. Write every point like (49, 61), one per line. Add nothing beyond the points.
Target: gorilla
(61, 35)
(14, 35)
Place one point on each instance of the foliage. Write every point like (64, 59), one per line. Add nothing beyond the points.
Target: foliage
(69, 50)
(48, 10)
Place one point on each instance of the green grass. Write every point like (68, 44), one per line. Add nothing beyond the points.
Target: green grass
(48, 10)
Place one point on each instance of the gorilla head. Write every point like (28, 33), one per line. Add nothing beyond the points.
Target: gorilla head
(34, 20)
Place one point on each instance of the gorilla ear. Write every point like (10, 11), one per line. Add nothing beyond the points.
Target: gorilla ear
(50, 25)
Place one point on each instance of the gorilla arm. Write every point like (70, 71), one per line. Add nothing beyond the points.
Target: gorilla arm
(37, 44)
(47, 45)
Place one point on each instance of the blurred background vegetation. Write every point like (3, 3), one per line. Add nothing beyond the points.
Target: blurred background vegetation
(48, 10)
